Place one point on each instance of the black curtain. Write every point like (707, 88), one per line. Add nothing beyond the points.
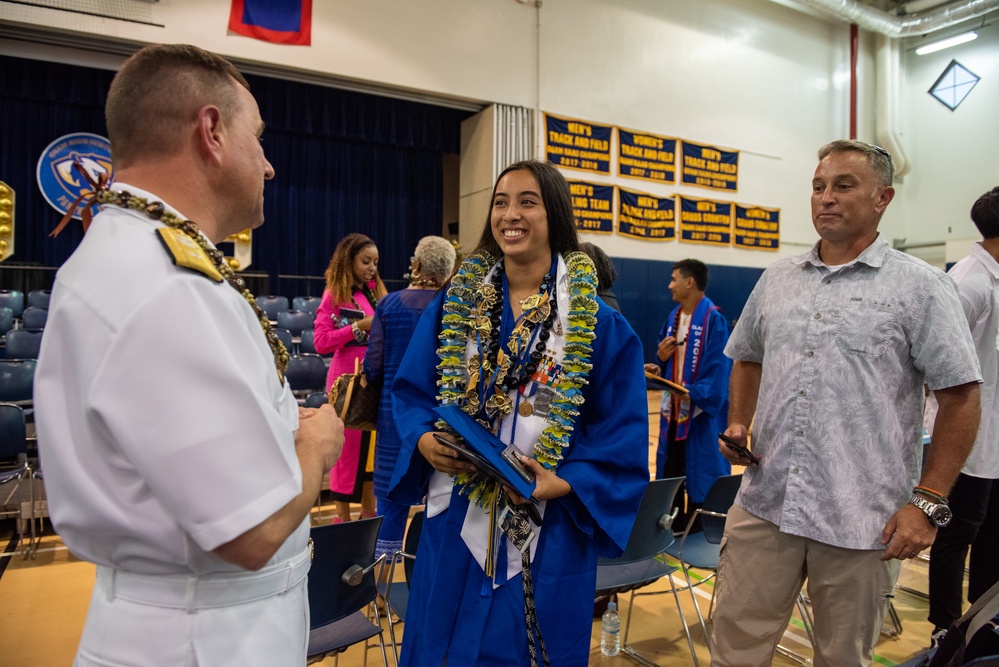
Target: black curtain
(344, 162)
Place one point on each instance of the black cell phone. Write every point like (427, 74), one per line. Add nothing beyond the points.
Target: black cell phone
(351, 314)
(739, 449)
(511, 456)
(484, 466)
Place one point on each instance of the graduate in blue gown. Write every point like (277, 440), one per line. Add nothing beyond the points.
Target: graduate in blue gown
(529, 350)
(691, 353)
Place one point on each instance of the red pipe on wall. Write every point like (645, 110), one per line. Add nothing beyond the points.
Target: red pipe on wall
(854, 45)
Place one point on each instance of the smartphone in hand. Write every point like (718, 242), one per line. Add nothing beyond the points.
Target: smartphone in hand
(351, 314)
(738, 448)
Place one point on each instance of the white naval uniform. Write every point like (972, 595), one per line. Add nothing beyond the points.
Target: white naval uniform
(164, 433)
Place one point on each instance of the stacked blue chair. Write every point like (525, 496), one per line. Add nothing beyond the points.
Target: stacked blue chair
(23, 343)
(285, 337)
(272, 305)
(308, 343)
(306, 374)
(39, 298)
(6, 320)
(17, 381)
(309, 304)
(34, 318)
(295, 321)
(13, 299)
(316, 399)
(14, 469)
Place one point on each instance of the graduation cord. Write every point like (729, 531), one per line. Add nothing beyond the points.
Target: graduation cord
(517, 528)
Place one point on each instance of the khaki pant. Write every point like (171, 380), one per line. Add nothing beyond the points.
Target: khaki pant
(760, 574)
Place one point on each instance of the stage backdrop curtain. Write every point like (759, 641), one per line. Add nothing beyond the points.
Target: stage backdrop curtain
(344, 162)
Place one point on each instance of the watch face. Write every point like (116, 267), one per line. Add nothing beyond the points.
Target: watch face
(941, 515)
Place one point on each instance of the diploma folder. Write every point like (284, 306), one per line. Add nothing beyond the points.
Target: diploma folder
(483, 449)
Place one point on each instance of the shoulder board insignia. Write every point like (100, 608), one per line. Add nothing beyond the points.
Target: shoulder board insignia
(187, 253)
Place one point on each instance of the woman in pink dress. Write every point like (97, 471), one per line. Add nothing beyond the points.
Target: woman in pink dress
(352, 284)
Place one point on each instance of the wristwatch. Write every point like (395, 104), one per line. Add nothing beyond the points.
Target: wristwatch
(359, 336)
(938, 513)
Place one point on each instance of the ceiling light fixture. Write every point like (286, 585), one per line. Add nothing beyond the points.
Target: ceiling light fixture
(946, 43)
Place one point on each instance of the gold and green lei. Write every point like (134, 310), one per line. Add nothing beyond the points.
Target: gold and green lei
(466, 309)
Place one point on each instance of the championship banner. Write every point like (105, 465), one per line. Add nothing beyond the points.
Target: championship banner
(705, 221)
(592, 206)
(757, 227)
(279, 21)
(710, 167)
(643, 216)
(648, 156)
(577, 144)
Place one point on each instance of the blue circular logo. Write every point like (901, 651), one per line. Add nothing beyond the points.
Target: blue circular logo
(58, 181)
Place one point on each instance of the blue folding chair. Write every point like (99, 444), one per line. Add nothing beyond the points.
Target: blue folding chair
(310, 304)
(14, 469)
(643, 563)
(34, 318)
(39, 298)
(23, 343)
(285, 337)
(702, 549)
(396, 593)
(306, 374)
(316, 399)
(295, 321)
(6, 320)
(272, 305)
(17, 381)
(13, 299)
(341, 586)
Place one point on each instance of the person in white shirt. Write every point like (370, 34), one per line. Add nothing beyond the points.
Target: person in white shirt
(974, 500)
(176, 457)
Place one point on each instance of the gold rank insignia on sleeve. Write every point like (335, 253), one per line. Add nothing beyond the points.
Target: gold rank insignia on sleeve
(187, 253)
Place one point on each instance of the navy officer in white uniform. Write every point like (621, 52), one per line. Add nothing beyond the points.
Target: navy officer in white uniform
(176, 458)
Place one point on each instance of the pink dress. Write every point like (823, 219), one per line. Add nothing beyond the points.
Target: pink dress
(348, 473)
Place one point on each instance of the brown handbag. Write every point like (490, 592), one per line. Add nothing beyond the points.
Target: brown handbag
(356, 404)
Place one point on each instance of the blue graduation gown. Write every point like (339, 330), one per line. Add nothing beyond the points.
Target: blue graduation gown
(454, 612)
(709, 392)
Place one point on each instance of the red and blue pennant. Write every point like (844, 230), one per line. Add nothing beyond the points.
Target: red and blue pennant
(279, 21)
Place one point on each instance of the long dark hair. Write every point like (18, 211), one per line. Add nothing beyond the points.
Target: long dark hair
(562, 235)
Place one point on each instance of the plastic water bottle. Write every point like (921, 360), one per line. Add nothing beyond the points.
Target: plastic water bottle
(610, 631)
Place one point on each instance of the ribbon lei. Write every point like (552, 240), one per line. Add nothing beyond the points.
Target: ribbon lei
(87, 196)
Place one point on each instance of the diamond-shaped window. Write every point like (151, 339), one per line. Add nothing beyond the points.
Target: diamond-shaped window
(954, 85)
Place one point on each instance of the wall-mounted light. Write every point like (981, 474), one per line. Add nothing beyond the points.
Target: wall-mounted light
(946, 43)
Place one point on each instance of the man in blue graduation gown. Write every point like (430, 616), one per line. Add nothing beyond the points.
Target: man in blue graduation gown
(690, 354)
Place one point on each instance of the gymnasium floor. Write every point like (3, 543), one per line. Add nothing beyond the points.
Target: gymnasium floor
(43, 603)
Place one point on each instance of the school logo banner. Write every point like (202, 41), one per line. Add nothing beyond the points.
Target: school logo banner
(710, 167)
(757, 227)
(58, 181)
(648, 156)
(592, 205)
(278, 21)
(705, 221)
(643, 216)
(577, 144)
